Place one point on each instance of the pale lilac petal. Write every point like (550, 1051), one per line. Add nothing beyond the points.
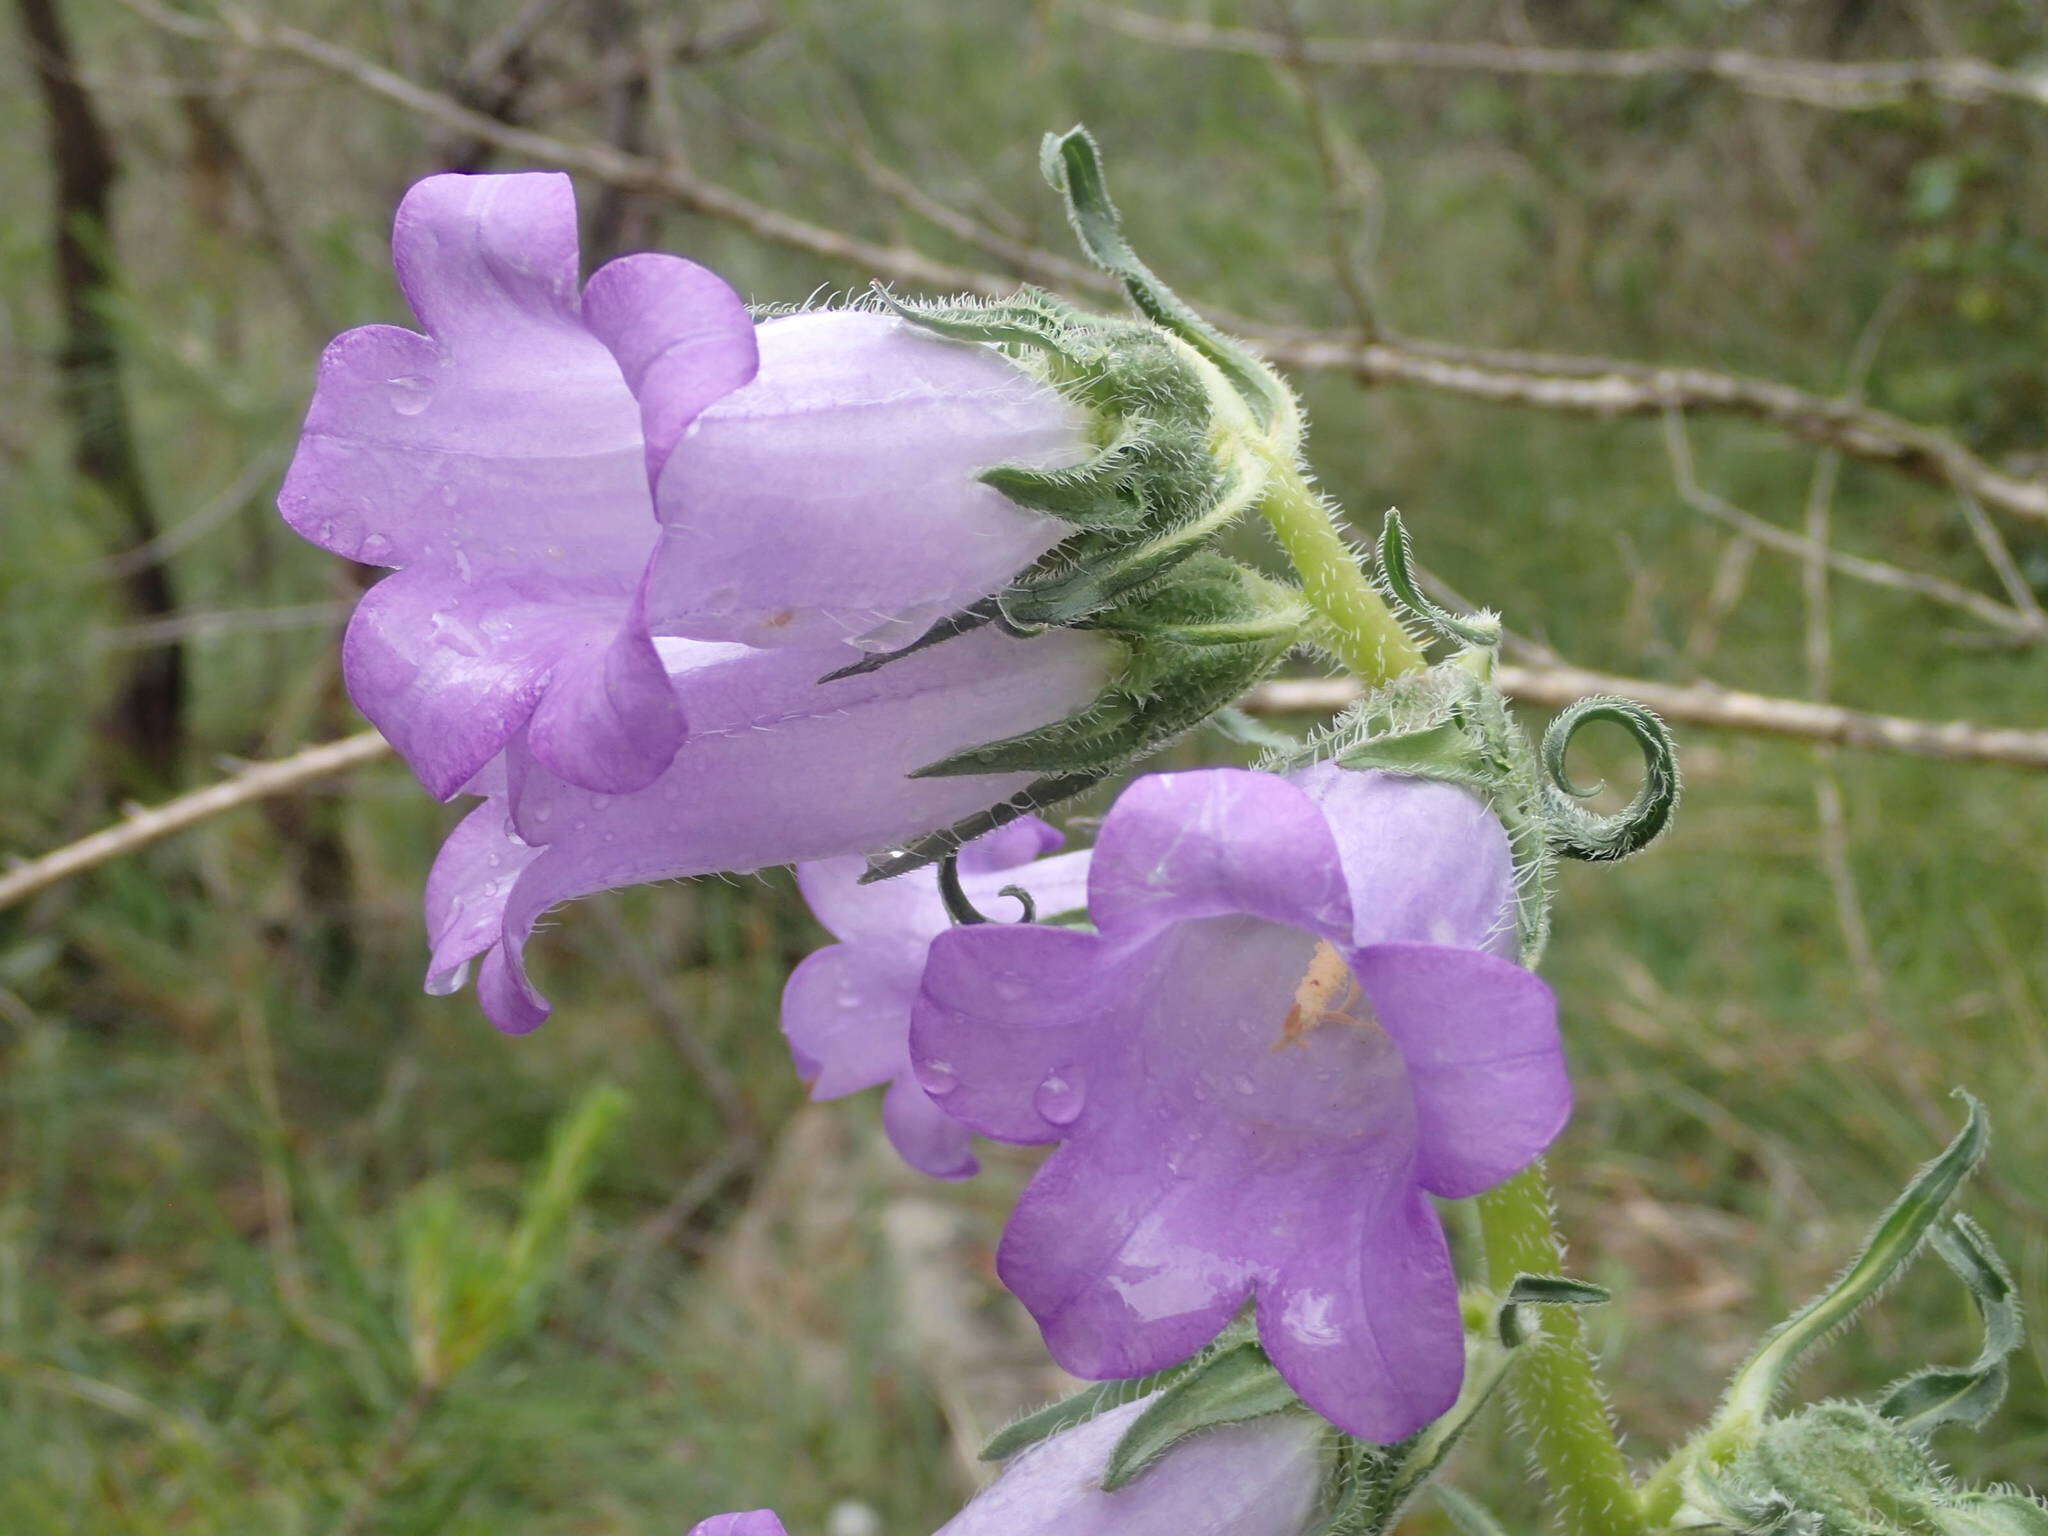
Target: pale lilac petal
(1263, 1477)
(778, 769)
(924, 1135)
(505, 441)
(466, 891)
(877, 523)
(757, 1522)
(1364, 1322)
(450, 671)
(1127, 1268)
(1010, 846)
(609, 720)
(682, 337)
(846, 1014)
(1003, 1011)
(1425, 861)
(1177, 846)
(1480, 1039)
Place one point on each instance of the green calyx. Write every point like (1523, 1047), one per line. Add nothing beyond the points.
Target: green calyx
(1841, 1469)
(1190, 646)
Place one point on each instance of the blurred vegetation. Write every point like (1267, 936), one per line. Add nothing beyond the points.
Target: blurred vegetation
(252, 1177)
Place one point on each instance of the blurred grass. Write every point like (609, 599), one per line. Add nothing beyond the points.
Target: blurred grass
(220, 1088)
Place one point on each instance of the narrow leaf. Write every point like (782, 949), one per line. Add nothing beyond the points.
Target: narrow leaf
(1557, 1291)
(1069, 1411)
(1226, 1388)
(1892, 1245)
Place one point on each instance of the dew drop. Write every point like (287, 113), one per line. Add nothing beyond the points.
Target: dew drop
(373, 549)
(936, 1077)
(1243, 1083)
(411, 393)
(1060, 1097)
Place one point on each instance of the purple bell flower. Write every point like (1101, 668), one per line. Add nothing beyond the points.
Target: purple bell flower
(1263, 1477)
(1293, 1027)
(559, 474)
(777, 769)
(846, 1010)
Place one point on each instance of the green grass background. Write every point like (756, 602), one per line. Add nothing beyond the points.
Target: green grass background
(226, 1109)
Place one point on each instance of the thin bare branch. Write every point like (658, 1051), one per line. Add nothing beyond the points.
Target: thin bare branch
(140, 828)
(1825, 83)
(1715, 708)
(1998, 555)
(1876, 573)
(1609, 388)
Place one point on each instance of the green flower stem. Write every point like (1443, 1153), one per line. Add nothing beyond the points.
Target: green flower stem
(1560, 1406)
(1559, 1403)
(1356, 623)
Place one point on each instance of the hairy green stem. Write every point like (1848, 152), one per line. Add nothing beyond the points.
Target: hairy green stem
(1356, 623)
(1560, 1406)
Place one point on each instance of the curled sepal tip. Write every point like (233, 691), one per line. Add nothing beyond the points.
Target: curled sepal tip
(1072, 163)
(1577, 833)
(960, 906)
(1397, 575)
(1967, 1395)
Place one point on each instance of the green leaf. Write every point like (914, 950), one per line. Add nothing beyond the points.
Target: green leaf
(1965, 1395)
(1556, 1291)
(1073, 165)
(1466, 1513)
(1892, 1245)
(1063, 1415)
(1227, 1387)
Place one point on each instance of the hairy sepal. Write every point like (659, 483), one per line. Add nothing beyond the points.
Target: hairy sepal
(1191, 646)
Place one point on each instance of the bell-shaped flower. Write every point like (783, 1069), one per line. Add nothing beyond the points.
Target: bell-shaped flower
(501, 462)
(846, 1010)
(815, 480)
(1293, 1026)
(778, 768)
(1262, 1477)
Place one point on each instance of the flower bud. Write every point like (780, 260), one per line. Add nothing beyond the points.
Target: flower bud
(1263, 1477)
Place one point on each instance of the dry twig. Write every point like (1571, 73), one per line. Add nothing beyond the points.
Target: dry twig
(1827, 83)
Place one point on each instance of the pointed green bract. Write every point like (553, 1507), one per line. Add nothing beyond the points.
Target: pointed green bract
(1227, 1387)
(1397, 576)
(1073, 165)
(1191, 646)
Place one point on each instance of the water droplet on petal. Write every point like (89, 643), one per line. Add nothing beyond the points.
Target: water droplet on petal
(411, 394)
(373, 549)
(936, 1077)
(1060, 1097)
